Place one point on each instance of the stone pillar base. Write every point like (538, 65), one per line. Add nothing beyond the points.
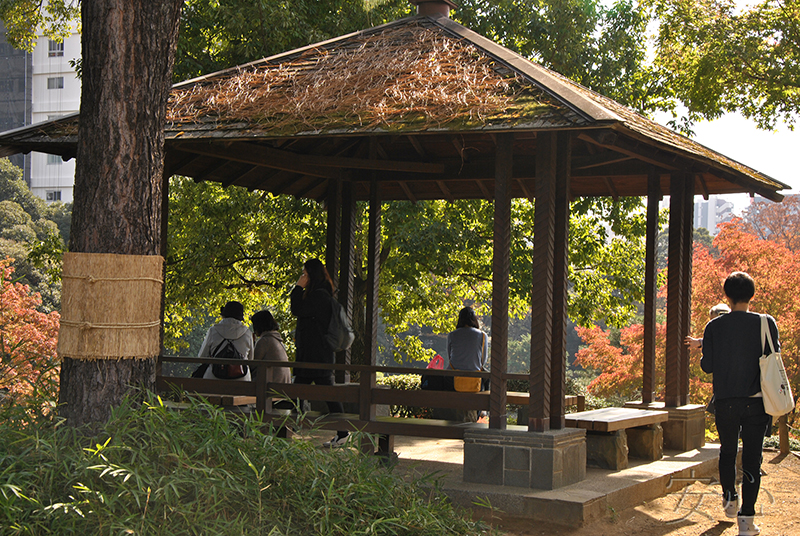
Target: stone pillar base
(646, 442)
(686, 428)
(607, 450)
(541, 460)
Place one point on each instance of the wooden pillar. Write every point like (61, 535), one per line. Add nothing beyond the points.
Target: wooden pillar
(367, 379)
(650, 287)
(542, 295)
(346, 281)
(560, 280)
(686, 284)
(672, 397)
(500, 278)
(333, 231)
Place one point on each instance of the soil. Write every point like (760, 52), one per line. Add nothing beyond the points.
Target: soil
(695, 510)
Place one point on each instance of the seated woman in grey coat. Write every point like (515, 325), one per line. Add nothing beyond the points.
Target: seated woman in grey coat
(269, 345)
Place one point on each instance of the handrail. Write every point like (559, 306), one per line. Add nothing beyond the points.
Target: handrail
(367, 397)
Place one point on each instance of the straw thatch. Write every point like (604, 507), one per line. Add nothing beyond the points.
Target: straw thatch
(409, 74)
(111, 307)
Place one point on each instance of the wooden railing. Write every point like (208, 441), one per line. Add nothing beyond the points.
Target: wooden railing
(265, 390)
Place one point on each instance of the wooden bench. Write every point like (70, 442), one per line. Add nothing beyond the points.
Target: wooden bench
(614, 434)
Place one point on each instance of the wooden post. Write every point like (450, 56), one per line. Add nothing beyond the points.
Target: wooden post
(367, 381)
(500, 278)
(560, 281)
(346, 284)
(650, 287)
(333, 231)
(542, 296)
(686, 285)
(672, 396)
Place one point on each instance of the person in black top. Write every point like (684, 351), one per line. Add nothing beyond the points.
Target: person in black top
(732, 347)
(311, 303)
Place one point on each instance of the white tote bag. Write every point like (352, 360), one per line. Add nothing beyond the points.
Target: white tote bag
(775, 388)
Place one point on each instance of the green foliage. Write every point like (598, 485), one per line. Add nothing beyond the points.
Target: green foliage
(157, 471)
(718, 58)
(25, 19)
(216, 34)
(33, 234)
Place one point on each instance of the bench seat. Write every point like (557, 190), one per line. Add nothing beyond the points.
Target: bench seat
(614, 434)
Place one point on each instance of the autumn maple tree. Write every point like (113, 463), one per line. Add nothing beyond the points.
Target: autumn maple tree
(28, 337)
(766, 256)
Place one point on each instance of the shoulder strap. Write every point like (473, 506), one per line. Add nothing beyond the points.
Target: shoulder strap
(766, 335)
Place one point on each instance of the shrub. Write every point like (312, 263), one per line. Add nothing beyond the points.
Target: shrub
(157, 471)
(406, 382)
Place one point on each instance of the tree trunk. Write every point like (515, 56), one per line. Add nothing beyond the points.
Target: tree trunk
(128, 48)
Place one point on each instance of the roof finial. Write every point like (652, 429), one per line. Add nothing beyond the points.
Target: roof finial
(432, 8)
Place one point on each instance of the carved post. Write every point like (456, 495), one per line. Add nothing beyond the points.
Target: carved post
(500, 276)
(677, 220)
(686, 275)
(542, 296)
(650, 286)
(560, 280)
(367, 381)
(332, 231)
(346, 284)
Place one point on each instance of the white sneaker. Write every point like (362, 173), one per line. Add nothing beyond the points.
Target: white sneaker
(730, 505)
(747, 526)
(336, 441)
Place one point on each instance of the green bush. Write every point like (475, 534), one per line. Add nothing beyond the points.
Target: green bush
(406, 382)
(157, 471)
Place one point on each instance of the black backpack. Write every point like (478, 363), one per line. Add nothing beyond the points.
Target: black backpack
(339, 334)
(226, 350)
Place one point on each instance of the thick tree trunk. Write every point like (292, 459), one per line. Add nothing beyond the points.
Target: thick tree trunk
(128, 48)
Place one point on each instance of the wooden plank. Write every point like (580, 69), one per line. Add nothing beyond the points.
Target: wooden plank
(613, 419)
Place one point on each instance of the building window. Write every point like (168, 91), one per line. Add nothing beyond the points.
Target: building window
(54, 160)
(55, 49)
(53, 195)
(56, 82)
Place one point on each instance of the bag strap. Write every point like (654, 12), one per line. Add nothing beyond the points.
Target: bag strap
(483, 349)
(766, 335)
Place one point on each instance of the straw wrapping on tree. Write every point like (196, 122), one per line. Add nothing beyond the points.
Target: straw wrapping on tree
(111, 306)
(402, 75)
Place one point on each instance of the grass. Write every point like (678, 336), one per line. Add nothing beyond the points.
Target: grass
(157, 471)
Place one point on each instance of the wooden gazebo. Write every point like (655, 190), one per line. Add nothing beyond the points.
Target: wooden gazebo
(423, 108)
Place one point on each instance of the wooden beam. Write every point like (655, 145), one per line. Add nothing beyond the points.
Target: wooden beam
(596, 160)
(417, 146)
(445, 191)
(367, 410)
(525, 190)
(614, 142)
(266, 156)
(611, 189)
(686, 284)
(675, 289)
(407, 191)
(483, 188)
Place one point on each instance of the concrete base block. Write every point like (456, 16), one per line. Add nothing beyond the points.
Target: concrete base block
(541, 460)
(646, 442)
(686, 428)
(607, 450)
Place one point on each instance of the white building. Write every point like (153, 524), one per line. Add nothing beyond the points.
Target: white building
(710, 213)
(56, 92)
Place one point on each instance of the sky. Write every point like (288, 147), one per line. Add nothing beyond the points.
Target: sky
(771, 153)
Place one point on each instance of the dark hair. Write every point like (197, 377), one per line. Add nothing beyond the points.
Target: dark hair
(233, 309)
(467, 318)
(263, 321)
(739, 287)
(317, 276)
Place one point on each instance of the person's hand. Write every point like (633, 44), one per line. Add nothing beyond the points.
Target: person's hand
(303, 281)
(693, 343)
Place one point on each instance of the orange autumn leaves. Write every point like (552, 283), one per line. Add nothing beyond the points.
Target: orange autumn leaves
(776, 270)
(28, 365)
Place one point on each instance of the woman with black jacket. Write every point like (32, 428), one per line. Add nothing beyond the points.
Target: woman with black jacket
(311, 304)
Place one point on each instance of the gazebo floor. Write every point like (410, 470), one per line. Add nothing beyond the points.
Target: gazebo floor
(598, 496)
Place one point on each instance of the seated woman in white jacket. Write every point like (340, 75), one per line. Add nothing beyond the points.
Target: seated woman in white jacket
(232, 328)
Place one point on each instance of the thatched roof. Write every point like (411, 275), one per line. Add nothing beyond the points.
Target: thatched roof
(433, 93)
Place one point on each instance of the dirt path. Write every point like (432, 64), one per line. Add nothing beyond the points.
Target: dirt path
(695, 510)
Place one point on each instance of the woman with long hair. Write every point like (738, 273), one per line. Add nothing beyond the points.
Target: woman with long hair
(311, 303)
